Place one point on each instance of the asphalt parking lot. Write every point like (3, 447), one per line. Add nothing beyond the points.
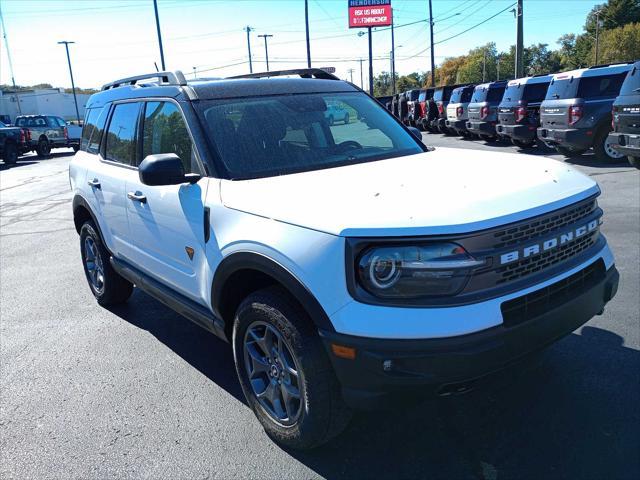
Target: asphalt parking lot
(137, 391)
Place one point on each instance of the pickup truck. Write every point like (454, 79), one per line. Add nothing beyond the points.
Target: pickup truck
(14, 141)
(47, 132)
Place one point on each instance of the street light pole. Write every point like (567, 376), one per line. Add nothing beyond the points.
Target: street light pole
(13, 80)
(361, 76)
(519, 42)
(248, 29)
(266, 49)
(433, 63)
(370, 64)
(306, 24)
(393, 57)
(155, 8)
(73, 85)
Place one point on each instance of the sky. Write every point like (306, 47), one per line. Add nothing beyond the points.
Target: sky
(117, 38)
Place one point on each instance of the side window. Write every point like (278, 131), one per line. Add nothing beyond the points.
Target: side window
(121, 134)
(96, 134)
(90, 120)
(604, 86)
(165, 131)
(20, 122)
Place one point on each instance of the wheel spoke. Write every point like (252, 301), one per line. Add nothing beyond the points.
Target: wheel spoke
(258, 364)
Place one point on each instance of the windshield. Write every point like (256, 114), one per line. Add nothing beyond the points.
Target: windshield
(2, 125)
(563, 88)
(631, 85)
(277, 135)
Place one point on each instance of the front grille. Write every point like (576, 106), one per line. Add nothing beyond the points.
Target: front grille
(534, 304)
(543, 260)
(537, 228)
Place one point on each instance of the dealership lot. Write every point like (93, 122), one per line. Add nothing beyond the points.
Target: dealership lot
(137, 391)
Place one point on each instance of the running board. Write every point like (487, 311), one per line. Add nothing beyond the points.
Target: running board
(195, 312)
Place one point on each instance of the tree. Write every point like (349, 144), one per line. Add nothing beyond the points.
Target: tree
(479, 60)
(447, 73)
(539, 59)
(613, 14)
(620, 44)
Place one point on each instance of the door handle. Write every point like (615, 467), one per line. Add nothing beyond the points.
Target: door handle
(137, 197)
(95, 183)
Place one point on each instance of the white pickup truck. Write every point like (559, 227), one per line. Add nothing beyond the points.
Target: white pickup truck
(348, 264)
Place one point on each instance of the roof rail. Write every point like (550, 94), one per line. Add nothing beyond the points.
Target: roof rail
(610, 65)
(302, 72)
(168, 78)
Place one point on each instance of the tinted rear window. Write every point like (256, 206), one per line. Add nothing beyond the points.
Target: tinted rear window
(601, 86)
(413, 95)
(479, 95)
(437, 95)
(563, 88)
(422, 97)
(631, 85)
(495, 94)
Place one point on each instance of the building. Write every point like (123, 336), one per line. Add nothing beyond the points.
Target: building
(46, 101)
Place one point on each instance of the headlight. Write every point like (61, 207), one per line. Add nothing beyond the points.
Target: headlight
(437, 269)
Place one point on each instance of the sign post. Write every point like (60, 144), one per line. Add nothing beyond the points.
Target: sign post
(369, 14)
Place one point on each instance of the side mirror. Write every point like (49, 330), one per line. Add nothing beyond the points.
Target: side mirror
(164, 169)
(416, 132)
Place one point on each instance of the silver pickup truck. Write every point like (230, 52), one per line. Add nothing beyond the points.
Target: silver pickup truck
(47, 132)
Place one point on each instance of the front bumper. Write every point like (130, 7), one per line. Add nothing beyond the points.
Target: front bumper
(482, 127)
(577, 139)
(524, 133)
(626, 143)
(385, 370)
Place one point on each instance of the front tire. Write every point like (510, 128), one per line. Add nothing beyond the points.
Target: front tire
(105, 283)
(568, 152)
(634, 161)
(285, 373)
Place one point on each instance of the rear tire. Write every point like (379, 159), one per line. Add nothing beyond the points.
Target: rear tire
(346, 118)
(105, 283)
(331, 120)
(634, 161)
(10, 155)
(272, 330)
(44, 148)
(603, 149)
(488, 138)
(568, 152)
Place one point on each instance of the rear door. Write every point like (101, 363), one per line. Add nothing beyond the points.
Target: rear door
(107, 178)
(55, 133)
(168, 224)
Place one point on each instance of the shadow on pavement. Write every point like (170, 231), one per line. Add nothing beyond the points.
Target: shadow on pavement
(573, 413)
(31, 159)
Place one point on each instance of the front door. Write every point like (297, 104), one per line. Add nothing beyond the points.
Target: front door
(167, 222)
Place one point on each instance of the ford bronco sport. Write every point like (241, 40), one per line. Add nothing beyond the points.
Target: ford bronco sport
(576, 113)
(625, 137)
(483, 109)
(343, 263)
(457, 110)
(519, 110)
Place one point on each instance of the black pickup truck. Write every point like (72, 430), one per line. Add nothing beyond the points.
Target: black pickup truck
(14, 141)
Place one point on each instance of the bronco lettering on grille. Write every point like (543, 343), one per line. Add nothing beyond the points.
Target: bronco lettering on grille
(549, 244)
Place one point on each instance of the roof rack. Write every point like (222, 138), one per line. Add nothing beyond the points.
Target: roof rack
(167, 78)
(302, 72)
(610, 65)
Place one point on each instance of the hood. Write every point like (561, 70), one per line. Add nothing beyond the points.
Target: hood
(445, 191)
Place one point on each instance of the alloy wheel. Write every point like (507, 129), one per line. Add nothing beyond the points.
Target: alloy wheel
(93, 264)
(273, 373)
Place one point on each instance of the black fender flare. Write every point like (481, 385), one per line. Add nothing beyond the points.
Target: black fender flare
(263, 264)
(79, 201)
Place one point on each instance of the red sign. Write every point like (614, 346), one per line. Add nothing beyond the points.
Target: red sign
(369, 13)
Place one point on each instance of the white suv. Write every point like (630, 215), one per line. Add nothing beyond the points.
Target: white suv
(348, 264)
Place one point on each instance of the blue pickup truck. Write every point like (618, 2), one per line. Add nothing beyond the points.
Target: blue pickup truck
(14, 141)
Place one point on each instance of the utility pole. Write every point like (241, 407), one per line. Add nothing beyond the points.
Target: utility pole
(73, 85)
(498, 66)
(433, 63)
(266, 49)
(361, 76)
(598, 12)
(194, 73)
(155, 8)
(350, 72)
(306, 25)
(519, 42)
(393, 57)
(13, 80)
(370, 63)
(248, 29)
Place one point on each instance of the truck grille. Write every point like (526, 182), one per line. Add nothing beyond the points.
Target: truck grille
(521, 309)
(544, 260)
(540, 227)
